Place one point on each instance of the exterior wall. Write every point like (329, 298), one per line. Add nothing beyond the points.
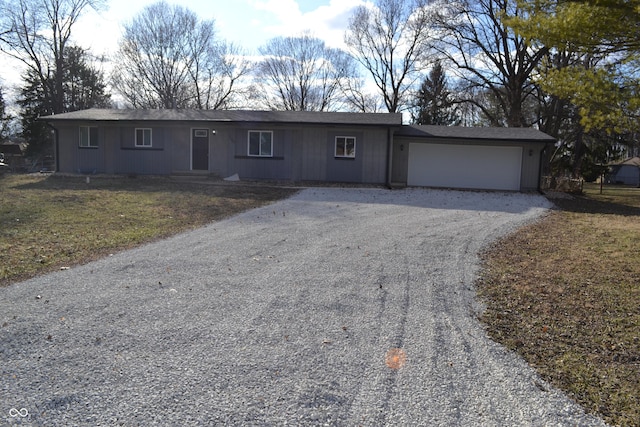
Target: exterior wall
(313, 156)
(344, 169)
(277, 167)
(303, 153)
(75, 159)
(400, 162)
(117, 154)
(375, 156)
(178, 145)
(300, 152)
(624, 174)
(531, 158)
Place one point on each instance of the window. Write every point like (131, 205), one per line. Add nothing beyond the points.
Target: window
(260, 143)
(143, 137)
(346, 147)
(201, 133)
(88, 137)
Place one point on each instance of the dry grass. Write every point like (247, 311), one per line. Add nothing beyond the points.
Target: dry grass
(47, 222)
(565, 294)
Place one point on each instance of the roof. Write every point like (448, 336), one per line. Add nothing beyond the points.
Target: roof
(476, 133)
(634, 161)
(308, 117)
(12, 149)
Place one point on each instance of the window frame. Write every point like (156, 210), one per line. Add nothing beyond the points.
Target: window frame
(260, 153)
(89, 142)
(142, 144)
(345, 155)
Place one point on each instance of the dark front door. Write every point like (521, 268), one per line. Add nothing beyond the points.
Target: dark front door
(200, 149)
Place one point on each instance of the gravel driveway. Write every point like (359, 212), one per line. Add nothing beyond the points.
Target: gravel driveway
(334, 307)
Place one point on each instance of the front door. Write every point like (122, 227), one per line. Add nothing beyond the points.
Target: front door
(200, 149)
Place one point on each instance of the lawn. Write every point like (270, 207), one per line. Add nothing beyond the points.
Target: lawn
(565, 294)
(48, 222)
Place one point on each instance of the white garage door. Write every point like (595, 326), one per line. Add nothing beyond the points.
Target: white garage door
(464, 166)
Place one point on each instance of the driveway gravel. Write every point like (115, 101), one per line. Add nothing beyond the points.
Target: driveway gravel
(334, 307)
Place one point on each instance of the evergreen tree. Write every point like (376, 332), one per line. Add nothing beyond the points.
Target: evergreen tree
(607, 91)
(83, 87)
(33, 102)
(434, 104)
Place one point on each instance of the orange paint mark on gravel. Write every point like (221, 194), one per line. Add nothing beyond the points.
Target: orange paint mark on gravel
(395, 358)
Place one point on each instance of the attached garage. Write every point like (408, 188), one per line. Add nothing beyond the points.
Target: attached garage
(469, 158)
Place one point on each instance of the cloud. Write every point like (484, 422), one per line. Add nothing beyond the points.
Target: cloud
(328, 22)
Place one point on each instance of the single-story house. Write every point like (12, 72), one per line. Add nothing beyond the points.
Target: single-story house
(626, 172)
(298, 146)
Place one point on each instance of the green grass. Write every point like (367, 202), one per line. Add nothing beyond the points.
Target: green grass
(565, 294)
(48, 222)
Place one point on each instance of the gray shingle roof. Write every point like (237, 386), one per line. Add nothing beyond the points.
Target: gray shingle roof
(477, 133)
(382, 119)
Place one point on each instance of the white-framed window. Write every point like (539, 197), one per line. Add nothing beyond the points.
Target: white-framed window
(143, 137)
(345, 147)
(260, 143)
(88, 137)
(201, 133)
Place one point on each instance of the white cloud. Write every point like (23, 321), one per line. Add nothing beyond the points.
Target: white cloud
(328, 22)
(246, 23)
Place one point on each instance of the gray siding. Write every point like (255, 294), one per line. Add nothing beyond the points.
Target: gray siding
(344, 169)
(153, 160)
(75, 159)
(400, 162)
(178, 146)
(277, 167)
(301, 153)
(531, 158)
(221, 151)
(313, 155)
(375, 156)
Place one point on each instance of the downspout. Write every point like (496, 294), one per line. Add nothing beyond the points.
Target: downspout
(389, 156)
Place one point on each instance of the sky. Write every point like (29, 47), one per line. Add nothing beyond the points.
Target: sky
(248, 24)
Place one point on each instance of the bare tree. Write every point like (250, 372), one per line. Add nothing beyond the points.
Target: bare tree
(303, 74)
(169, 58)
(391, 41)
(37, 32)
(358, 98)
(490, 56)
(218, 76)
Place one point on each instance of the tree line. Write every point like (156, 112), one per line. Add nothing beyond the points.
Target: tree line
(567, 68)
